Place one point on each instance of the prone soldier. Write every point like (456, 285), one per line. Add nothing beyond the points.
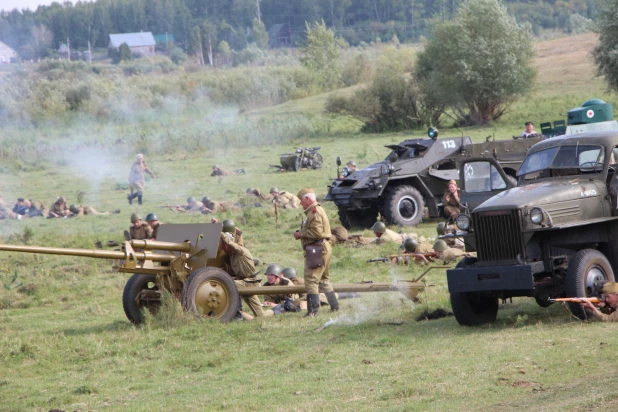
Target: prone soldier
(284, 199)
(217, 171)
(191, 206)
(59, 208)
(88, 210)
(451, 241)
(136, 178)
(314, 235)
(610, 292)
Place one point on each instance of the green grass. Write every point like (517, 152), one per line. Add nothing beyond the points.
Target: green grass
(66, 343)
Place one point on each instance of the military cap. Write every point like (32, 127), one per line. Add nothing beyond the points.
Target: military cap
(205, 199)
(273, 270)
(62, 199)
(139, 156)
(73, 209)
(378, 227)
(340, 233)
(452, 182)
(151, 216)
(135, 217)
(352, 163)
(228, 226)
(609, 288)
(274, 190)
(190, 199)
(441, 228)
(410, 244)
(289, 273)
(440, 246)
(304, 192)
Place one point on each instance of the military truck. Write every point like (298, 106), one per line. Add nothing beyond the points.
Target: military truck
(554, 235)
(415, 175)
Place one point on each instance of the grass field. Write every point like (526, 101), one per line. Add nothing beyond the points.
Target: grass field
(66, 343)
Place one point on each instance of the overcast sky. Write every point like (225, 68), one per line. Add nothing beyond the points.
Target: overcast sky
(24, 4)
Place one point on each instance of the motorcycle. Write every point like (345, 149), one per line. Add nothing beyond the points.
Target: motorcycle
(303, 157)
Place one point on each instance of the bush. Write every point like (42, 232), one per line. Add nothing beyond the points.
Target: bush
(356, 70)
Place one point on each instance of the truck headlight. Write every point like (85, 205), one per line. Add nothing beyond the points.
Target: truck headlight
(536, 216)
(463, 222)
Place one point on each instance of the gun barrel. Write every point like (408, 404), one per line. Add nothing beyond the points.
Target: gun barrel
(157, 245)
(99, 254)
(351, 287)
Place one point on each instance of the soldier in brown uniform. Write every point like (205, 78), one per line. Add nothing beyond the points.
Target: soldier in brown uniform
(450, 201)
(441, 229)
(153, 222)
(448, 254)
(279, 302)
(290, 273)
(314, 235)
(88, 210)
(191, 206)
(217, 171)
(211, 206)
(59, 208)
(136, 178)
(610, 291)
(257, 193)
(284, 199)
(242, 270)
(139, 230)
(6, 213)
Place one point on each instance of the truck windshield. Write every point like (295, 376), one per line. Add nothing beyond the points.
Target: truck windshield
(568, 159)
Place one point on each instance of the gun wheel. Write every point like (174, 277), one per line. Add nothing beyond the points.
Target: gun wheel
(588, 271)
(140, 292)
(211, 293)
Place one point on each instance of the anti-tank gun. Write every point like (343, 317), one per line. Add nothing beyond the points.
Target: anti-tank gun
(187, 263)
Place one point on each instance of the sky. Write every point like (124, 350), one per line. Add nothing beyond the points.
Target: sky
(24, 4)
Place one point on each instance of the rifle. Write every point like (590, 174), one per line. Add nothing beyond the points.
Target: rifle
(595, 301)
(171, 207)
(278, 167)
(415, 256)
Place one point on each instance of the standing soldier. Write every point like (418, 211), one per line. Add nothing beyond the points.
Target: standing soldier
(59, 208)
(139, 230)
(314, 235)
(136, 178)
(153, 222)
(284, 199)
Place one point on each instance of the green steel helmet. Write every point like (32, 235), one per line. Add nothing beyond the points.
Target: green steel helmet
(205, 199)
(274, 190)
(273, 270)
(151, 216)
(135, 217)
(190, 199)
(440, 246)
(379, 227)
(289, 273)
(229, 226)
(410, 244)
(74, 209)
(441, 228)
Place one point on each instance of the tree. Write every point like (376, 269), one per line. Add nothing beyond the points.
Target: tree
(209, 39)
(41, 40)
(478, 63)
(125, 52)
(321, 55)
(259, 34)
(605, 54)
(224, 53)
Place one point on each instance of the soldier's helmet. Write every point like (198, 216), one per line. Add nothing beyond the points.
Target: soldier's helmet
(440, 246)
(151, 216)
(441, 228)
(410, 244)
(274, 190)
(135, 217)
(73, 209)
(229, 226)
(378, 227)
(289, 273)
(205, 199)
(190, 199)
(273, 270)
(340, 233)
(215, 167)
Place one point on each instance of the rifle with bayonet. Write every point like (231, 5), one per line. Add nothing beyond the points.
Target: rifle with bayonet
(594, 301)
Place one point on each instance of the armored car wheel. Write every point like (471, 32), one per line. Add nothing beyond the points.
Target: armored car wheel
(588, 270)
(404, 206)
(474, 308)
(141, 291)
(211, 292)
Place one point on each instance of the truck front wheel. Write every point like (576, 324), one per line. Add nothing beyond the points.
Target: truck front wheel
(474, 308)
(404, 206)
(588, 270)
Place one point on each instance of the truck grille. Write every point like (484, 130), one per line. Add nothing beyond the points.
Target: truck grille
(498, 235)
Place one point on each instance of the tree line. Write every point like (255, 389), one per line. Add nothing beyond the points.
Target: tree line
(34, 33)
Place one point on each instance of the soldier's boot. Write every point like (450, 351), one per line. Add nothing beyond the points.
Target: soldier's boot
(313, 303)
(332, 301)
(131, 197)
(139, 199)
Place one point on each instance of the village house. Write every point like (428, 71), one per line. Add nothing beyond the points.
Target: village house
(7, 55)
(142, 43)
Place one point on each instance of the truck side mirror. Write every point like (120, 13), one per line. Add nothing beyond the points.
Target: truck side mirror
(338, 160)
